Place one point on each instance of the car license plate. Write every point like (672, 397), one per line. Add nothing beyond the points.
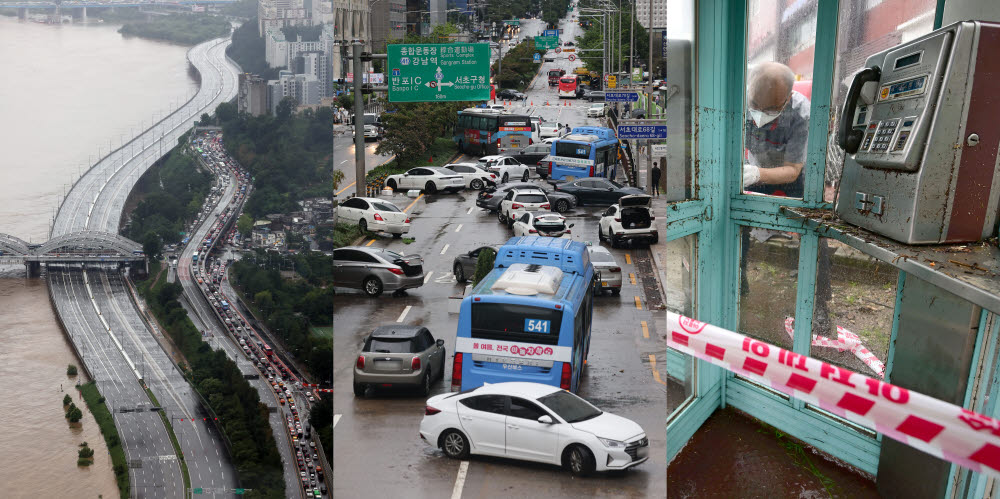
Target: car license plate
(387, 365)
(496, 359)
(604, 284)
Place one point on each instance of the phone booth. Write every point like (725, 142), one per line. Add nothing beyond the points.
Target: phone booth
(835, 194)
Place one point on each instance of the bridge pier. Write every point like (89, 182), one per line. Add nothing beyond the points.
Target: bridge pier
(81, 14)
(22, 13)
(34, 268)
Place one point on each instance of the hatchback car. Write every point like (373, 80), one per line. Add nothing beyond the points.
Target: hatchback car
(518, 201)
(373, 214)
(545, 224)
(533, 422)
(464, 264)
(628, 220)
(490, 198)
(610, 274)
(430, 179)
(374, 270)
(596, 191)
(399, 355)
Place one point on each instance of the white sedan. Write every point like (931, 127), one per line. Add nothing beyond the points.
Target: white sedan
(533, 422)
(430, 179)
(505, 167)
(374, 214)
(475, 176)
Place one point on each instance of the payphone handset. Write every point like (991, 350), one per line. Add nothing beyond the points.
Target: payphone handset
(922, 138)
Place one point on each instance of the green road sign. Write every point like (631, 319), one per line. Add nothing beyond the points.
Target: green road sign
(196, 491)
(439, 72)
(239, 491)
(546, 42)
(513, 22)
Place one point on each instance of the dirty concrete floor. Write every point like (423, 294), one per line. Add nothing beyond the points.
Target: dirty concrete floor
(735, 456)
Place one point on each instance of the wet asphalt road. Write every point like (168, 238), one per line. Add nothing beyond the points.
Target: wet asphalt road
(378, 451)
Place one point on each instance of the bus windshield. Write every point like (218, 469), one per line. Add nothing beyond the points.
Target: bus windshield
(507, 321)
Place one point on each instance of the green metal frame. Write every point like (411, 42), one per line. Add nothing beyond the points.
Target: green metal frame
(721, 209)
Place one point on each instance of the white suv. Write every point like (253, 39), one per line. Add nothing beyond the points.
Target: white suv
(505, 167)
(628, 220)
(518, 201)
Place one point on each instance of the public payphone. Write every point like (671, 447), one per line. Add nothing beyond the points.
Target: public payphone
(921, 133)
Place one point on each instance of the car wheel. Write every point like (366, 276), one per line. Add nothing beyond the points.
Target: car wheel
(505, 177)
(600, 235)
(476, 184)
(397, 236)
(430, 188)
(524, 178)
(363, 225)
(580, 461)
(500, 217)
(656, 239)
(391, 184)
(425, 385)
(454, 444)
(373, 286)
(616, 291)
(359, 390)
(459, 273)
(562, 206)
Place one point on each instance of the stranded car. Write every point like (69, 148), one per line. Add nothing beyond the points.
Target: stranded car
(610, 274)
(545, 224)
(628, 220)
(374, 270)
(533, 422)
(518, 201)
(428, 178)
(375, 215)
(399, 355)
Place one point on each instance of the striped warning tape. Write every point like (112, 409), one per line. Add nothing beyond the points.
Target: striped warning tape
(938, 428)
(846, 340)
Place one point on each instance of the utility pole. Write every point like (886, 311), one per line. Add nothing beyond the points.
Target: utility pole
(631, 44)
(359, 124)
(650, 86)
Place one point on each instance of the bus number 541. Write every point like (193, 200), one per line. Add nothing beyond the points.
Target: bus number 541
(536, 326)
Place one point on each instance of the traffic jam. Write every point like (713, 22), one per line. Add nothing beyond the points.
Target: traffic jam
(496, 326)
(208, 268)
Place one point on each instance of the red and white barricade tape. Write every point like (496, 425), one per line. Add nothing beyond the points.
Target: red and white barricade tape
(935, 427)
(846, 340)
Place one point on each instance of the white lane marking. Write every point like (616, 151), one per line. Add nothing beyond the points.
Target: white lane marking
(458, 228)
(444, 249)
(336, 417)
(470, 210)
(428, 277)
(463, 469)
(403, 315)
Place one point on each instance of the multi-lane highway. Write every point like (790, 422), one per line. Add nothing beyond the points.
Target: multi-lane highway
(116, 341)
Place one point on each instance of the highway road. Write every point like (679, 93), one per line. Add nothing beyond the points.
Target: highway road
(95, 202)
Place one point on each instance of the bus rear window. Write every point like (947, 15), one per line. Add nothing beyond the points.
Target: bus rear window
(571, 150)
(509, 322)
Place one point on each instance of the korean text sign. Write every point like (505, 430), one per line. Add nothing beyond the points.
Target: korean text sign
(439, 72)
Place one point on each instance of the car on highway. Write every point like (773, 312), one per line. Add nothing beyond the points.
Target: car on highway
(545, 224)
(373, 214)
(374, 270)
(630, 219)
(399, 355)
(490, 198)
(597, 109)
(464, 265)
(518, 201)
(430, 179)
(533, 422)
(511, 94)
(532, 154)
(608, 271)
(505, 167)
(475, 176)
(596, 190)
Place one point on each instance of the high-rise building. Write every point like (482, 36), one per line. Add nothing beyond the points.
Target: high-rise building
(438, 13)
(659, 13)
(415, 17)
(388, 22)
(322, 12)
(315, 63)
(252, 96)
(280, 13)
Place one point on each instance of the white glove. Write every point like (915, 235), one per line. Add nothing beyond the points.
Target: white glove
(751, 175)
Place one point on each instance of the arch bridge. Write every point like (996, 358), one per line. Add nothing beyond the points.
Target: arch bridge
(86, 246)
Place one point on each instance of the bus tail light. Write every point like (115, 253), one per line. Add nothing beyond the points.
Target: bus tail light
(415, 363)
(550, 171)
(567, 376)
(530, 141)
(361, 362)
(456, 372)
(591, 170)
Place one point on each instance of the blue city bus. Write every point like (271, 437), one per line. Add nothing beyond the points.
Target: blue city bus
(588, 151)
(488, 131)
(529, 319)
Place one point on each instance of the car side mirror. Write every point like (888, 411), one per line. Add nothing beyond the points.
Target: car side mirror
(545, 419)
(440, 343)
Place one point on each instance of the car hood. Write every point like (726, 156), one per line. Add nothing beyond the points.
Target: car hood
(608, 425)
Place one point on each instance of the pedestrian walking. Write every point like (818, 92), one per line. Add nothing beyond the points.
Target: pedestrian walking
(655, 177)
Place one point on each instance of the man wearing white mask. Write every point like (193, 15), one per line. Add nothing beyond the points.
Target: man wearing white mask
(776, 132)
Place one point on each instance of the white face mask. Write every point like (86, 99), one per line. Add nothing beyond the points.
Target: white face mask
(760, 118)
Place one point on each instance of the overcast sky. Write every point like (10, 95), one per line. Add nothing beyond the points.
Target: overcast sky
(680, 19)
